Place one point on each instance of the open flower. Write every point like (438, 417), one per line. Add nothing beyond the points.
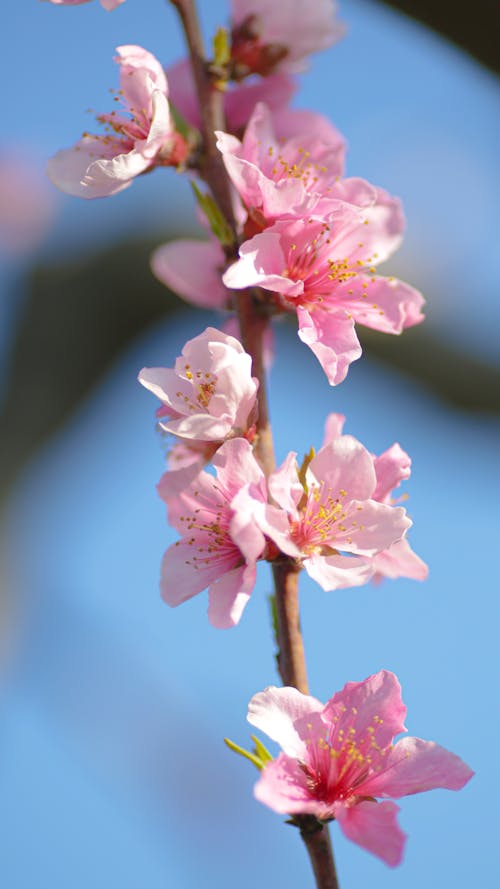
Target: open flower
(278, 176)
(391, 468)
(220, 543)
(339, 757)
(209, 395)
(281, 36)
(335, 526)
(98, 166)
(323, 268)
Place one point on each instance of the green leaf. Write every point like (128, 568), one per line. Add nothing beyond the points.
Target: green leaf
(216, 219)
(245, 753)
(221, 48)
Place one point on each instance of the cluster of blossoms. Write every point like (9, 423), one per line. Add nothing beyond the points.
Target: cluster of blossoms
(306, 241)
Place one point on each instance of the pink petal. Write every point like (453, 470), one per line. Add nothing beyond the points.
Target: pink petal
(192, 269)
(236, 467)
(68, 168)
(181, 579)
(370, 527)
(373, 708)
(374, 827)
(283, 787)
(345, 465)
(275, 712)
(228, 596)
(334, 425)
(338, 572)
(413, 766)
(399, 561)
(391, 468)
(384, 304)
(284, 485)
(332, 339)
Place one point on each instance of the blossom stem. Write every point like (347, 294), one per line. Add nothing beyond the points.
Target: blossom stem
(253, 321)
(291, 657)
(319, 848)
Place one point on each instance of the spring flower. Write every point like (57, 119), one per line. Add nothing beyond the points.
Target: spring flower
(209, 395)
(220, 544)
(339, 757)
(335, 526)
(323, 268)
(98, 166)
(276, 177)
(270, 37)
(391, 468)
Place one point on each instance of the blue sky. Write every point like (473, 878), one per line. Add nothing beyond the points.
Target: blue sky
(112, 766)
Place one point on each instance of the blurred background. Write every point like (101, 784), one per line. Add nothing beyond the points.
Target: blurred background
(113, 707)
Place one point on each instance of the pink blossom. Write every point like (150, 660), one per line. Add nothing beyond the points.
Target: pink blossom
(269, 37)
(98, 166)
(107, 4)
(276, 177)
(220, 543)
(334, 525)
(391, 468)
(337, 758)
(239, 101)
(323, 268)
(210, 394)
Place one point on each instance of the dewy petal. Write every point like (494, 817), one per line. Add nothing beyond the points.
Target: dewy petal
(192, 269)
(332, 338)
(276, 711)
(228, 596)
(374, 827)
(373, 707)
(413, 766)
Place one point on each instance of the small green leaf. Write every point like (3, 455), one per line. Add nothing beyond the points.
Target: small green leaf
(245, 753)
(216, 220)
(303, 469)
(221, 47)
(261, 751)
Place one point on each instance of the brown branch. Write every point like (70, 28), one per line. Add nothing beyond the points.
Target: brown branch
(317, 841)
(291, 658)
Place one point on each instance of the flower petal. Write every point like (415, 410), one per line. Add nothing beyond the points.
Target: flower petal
(373, 708)
(413, 766)
(191, 269)
(332, 338)
(374, 827)
(275, 712)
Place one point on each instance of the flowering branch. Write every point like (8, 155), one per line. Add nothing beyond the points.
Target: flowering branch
(253, 323)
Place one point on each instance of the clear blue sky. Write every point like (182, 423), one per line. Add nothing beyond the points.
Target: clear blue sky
(112, 767)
